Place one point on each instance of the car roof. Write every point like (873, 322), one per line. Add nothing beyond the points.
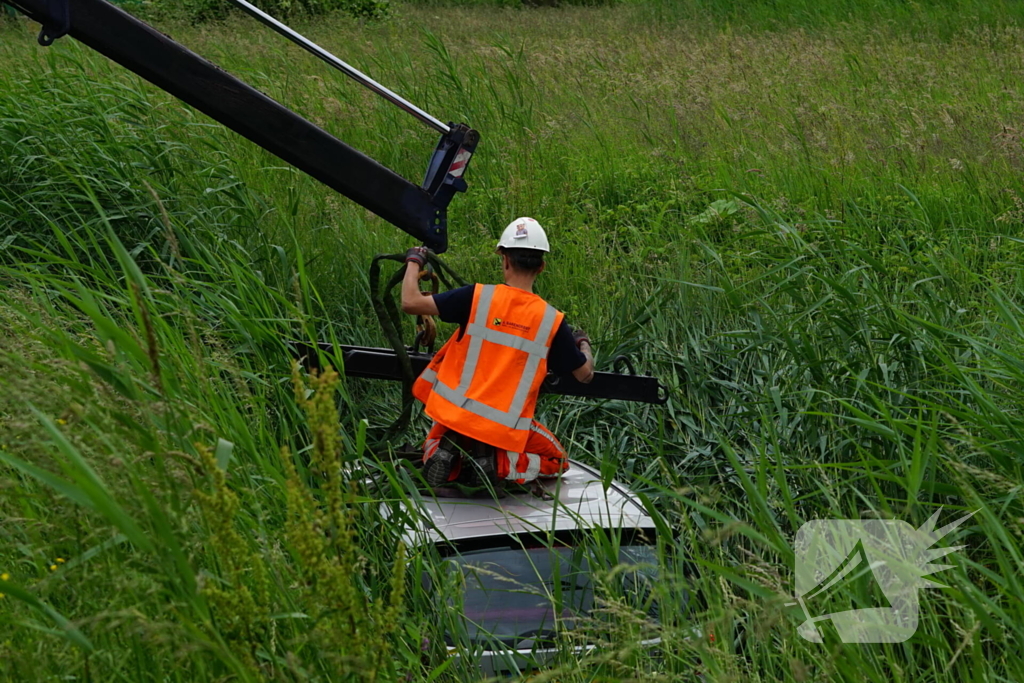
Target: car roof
(578, 500)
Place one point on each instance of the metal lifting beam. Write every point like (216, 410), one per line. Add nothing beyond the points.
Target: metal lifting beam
(377, 363)
(419, 211)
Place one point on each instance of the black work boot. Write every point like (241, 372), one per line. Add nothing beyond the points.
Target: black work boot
(486, 460)
(438, 467)
(480, 471)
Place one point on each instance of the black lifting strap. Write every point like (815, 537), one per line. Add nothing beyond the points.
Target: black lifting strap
(390, 321)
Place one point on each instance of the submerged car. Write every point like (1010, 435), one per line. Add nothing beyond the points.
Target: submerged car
(521, 571)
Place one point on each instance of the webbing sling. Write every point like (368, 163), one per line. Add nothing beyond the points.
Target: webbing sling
(536, 350)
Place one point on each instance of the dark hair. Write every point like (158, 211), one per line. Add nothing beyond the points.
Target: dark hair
(524, 260)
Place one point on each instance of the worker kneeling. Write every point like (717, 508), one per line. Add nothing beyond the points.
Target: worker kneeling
(481, 387)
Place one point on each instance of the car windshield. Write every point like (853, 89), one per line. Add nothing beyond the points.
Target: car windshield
(514, 594)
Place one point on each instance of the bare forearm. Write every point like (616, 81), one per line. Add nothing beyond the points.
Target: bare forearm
(585, 373)
(413, 300)
(410, 285)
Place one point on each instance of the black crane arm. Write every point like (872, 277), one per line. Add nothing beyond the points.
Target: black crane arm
(419, 211)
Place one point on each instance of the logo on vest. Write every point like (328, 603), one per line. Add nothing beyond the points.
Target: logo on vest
(498, 322)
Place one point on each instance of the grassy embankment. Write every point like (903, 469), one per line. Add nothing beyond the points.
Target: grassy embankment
(811, 234)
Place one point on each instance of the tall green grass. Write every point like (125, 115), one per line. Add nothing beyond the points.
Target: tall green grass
(811, 233)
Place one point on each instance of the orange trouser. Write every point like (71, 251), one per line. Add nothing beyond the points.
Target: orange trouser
(544, 455)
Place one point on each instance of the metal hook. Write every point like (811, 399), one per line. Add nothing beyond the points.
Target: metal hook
(57, 24)
(619, 361)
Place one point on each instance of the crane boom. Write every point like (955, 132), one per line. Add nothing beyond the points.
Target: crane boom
(419, 211)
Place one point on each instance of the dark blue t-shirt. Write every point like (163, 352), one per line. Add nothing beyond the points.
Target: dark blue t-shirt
(455, 305)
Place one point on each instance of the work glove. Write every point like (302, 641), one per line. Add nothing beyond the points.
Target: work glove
(579, 336)
(417, 255)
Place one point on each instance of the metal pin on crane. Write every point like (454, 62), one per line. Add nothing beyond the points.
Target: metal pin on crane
(350, 71)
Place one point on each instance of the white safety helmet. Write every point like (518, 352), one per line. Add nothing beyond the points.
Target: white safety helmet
(524, 233)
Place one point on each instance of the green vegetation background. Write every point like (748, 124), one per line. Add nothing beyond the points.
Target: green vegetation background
(804, 217)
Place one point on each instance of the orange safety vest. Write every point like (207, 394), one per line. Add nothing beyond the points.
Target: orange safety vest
(485, 384)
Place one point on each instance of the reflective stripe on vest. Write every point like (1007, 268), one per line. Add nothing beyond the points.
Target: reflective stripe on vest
(532, 466)
(536, 351)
